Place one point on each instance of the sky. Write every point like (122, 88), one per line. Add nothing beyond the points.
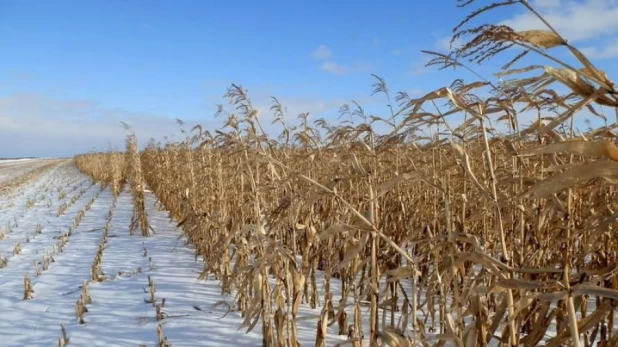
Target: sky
(71, 71)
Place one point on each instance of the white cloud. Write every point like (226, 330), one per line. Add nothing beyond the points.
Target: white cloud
(418, 66)
(39, 125)
(396, 52)
(341, 69)
(444, 44)
(547, 4)
(575, 20)
(328, 64)
(36, 125)
(335, 68)
(608, 50)
(375, 41)
(321, 53)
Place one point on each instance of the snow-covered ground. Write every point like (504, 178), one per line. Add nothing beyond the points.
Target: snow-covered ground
(8, 161)
(11, 168)
(119, 314)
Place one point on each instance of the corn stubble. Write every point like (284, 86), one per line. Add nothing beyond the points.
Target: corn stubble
(133, 165)
(464, 234)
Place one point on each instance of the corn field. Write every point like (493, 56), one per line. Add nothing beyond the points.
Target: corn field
(435, 232)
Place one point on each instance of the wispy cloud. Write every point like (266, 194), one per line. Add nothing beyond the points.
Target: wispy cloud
(418, 66)
(445, 45)
(38, 125)
(335, 68)
(341, 69)
(375, 41)
(606, 50)
(575, 20)
(548, 4)
(21, 76)
(321, 53)
(324, 55)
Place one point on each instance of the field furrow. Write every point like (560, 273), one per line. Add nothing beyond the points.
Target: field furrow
(21, 188)
(56, 288)
(36, 233)
(121, 304)
(144, 282)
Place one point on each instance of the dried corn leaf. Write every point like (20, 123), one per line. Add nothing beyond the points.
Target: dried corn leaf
(594, 112)
(464, 125)
(572, 80)
(604, 132)
(554, 296)
(445, 337)
(536, 125)
(497, 318)
(418, 103)
(466, 165)
(493, 265)
(401, 273)
(352, 252)
(584, 325)
(567, 114)
(541, 324)
(358, 168)
(518, 71)
(513, 283)
(449, 324)
(393, 339)
(332, 230)
(522, 305)
(592, 290)
(470, 335)
(591, 70)
(474, 85)
(542, 38)
(589, 148)
(390, 184)
(571, 178)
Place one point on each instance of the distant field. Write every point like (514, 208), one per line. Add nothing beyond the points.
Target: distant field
(16, 159)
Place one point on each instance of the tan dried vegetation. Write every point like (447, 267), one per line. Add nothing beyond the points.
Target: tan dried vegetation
(467, 235)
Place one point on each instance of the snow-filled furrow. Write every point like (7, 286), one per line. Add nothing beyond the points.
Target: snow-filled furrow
(34, 246)
(13, 185)
(10, 222)
(119, 304)
(39, 189)
(16, 199)
(10, 170)
(37, 321)
(47, 185)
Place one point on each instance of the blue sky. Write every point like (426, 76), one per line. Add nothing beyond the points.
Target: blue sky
(71, 70)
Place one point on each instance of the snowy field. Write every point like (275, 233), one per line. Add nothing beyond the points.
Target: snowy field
(10, 168)
(68, 263)
(53, 224)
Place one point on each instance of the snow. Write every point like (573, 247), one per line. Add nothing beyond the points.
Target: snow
(119, 314)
